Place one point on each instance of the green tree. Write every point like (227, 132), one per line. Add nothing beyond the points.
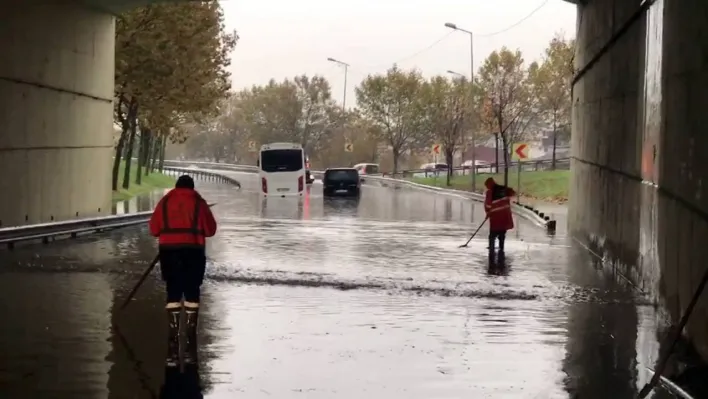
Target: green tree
(509, 106)
(393, 103)
(447, 110)
(299, 110)
(552, 82)
(170, 63)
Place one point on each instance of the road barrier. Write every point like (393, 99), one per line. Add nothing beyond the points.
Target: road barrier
(47, 232)
(526, 166)
(526, 211)
(201, 174)
(70, 228)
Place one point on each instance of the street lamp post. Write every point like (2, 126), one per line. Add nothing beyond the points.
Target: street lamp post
(474, 139)
(456, 74)
(346, 67)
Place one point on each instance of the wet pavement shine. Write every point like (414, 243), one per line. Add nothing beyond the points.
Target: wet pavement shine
(320, 298)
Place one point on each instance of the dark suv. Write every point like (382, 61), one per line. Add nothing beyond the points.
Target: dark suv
(341, 181)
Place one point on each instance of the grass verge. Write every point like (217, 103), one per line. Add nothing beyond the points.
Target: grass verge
(550, 186)
(153, 181)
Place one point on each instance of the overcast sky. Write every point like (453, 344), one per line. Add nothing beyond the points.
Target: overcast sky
(284, 38)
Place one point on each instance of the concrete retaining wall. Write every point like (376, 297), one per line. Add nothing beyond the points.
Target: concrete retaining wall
(56, 113)
(639, 187)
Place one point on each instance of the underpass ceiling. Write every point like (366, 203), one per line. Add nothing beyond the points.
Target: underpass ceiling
(119, 6)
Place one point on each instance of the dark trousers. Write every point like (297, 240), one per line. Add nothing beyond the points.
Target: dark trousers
(493, 236)
(183, 273)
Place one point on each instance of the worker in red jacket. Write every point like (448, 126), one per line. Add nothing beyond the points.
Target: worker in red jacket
(182, 220)
(497, 205)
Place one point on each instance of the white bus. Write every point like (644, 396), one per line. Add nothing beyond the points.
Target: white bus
(281, 168)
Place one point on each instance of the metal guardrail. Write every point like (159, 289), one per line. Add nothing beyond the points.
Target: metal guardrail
(203, 174)
(535, 216)
(526, 166)
(527, 212)
(45, 232)
(69, 228)
(211, 165)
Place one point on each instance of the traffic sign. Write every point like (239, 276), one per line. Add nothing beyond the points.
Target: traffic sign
(519, 151)
(436, 149)
(252, 146)
(349, 147)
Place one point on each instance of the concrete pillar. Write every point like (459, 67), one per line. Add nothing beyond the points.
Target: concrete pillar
(639, 141)
(56, 90)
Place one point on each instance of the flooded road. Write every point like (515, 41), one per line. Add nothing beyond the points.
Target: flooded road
(315, 298)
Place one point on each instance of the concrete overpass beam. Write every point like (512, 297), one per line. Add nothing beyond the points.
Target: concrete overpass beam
(56, 90)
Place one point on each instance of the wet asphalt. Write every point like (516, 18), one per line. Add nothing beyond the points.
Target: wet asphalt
(320, 298)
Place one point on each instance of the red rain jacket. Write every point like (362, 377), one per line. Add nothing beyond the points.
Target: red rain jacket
(182, 219)
(497, 205)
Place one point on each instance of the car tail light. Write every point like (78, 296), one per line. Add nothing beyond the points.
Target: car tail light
(300, 184)
(264, 185)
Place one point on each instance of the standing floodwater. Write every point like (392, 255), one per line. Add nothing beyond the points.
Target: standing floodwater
(319, 298)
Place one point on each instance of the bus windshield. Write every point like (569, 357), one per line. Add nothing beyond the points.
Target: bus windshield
(282, 160)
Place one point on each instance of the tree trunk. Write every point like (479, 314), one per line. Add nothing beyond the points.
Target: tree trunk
(149, 150)
(449, 155)
(163, 144)
(119, 155)
(129, 153)
(141, 155)
(555, 128)
(496, 152)
(156, 152)
(396, 155)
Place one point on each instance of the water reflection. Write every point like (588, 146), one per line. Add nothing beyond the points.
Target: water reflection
(53, 336)
(602, 338)
(369, 303)
(181, 384)
(139, 346)
(141, 203)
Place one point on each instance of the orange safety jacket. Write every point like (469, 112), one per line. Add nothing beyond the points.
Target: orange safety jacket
(182, 219)
(497, 205)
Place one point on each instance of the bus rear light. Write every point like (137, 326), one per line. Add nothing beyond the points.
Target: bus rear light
(264, 185)
(300, 184)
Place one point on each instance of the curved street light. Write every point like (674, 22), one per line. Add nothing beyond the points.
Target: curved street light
(346, 67)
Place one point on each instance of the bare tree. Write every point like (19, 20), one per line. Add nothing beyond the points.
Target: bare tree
(509, 104)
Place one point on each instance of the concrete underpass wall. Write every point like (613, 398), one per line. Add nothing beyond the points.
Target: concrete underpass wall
(56, 90)
(639, 192)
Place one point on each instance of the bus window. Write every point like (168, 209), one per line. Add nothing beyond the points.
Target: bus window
(290, 160)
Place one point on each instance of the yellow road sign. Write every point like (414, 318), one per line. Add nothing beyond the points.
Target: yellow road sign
(252, 146)
(519, 151)
(436, 149)
(349, 147)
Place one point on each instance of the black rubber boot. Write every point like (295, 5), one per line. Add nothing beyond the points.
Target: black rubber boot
(192, 319)
(492, 242)
(173, 316)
